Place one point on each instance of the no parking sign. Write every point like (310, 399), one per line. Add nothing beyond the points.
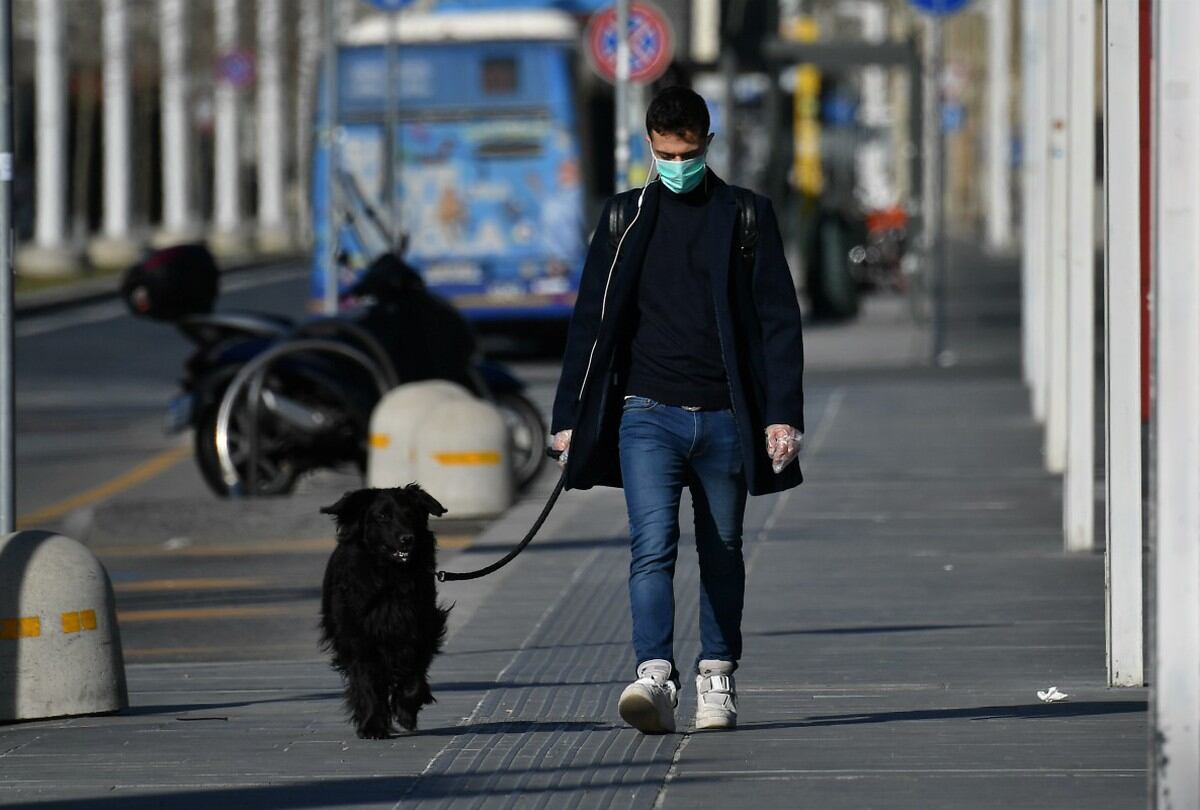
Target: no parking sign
(651, 42)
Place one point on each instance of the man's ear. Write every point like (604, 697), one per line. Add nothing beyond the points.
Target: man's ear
(350, 505)
(427, 501)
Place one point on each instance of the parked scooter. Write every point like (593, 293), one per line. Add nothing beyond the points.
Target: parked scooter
(314, 407)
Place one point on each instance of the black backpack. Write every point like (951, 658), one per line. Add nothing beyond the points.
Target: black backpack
(747, 233)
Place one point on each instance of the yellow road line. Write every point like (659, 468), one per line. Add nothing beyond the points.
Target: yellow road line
(261, 547)
(308, 650)
(280, 546)
(230, 612)
(143, 472)
(210, 584)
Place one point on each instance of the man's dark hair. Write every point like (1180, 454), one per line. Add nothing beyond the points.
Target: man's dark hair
(678, 111)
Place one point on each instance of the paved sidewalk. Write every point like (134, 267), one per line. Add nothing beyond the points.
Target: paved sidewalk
(904, 606)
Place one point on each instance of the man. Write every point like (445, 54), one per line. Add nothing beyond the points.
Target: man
(679, 358)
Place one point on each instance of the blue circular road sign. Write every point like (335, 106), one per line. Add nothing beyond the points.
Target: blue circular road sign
(940, 6)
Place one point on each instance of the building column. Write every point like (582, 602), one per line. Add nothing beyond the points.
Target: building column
(1079, 485)
(1122, 333)
(1034, 164)
(1175, 756)
(998, 128)
(274, 233)
(178, 221)
(50, 254)
(116, 247)
(1057, 260)
(228, 236)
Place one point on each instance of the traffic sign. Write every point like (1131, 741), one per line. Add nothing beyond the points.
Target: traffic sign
(940, 7)
(236, 68)
(651, 42)
(390, 5)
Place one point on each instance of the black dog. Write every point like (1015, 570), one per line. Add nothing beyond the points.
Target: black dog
(379, 613)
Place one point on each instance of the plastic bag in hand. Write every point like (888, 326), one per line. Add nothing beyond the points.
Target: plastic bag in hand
(783, 445)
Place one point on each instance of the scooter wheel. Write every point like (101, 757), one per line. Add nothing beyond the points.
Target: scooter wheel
(274, 477)
(528, 433)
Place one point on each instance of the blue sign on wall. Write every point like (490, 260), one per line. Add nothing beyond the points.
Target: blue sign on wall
(390, 5)
(940, 6)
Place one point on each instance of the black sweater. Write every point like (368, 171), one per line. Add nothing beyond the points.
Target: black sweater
(676, 351)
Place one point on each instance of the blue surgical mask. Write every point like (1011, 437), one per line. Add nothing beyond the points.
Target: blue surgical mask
(681, 176)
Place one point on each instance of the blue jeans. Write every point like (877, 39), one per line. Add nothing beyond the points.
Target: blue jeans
(663, 448)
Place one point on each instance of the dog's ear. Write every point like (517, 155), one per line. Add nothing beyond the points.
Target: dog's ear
(425, 500)
(350, 505)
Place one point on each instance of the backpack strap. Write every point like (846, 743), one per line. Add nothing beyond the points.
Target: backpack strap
(618, 219)
(747, 225)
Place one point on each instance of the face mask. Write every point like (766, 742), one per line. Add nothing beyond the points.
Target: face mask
(681, 176)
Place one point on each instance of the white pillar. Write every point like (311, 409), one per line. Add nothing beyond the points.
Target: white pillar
(1055, 371)
(1122, 332)
(998, 128)
(1176, 304)
(1035, 114)
(309, 57)
(1079, 484)
(705, 32)
(274, 235)
(49, 255)
(179, 224)
(228, 234)
(116, 247)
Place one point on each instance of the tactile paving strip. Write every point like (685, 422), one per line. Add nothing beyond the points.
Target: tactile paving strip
(549, 735)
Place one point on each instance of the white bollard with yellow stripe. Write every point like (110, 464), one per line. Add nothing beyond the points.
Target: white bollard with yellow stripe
(464, 458)
(60, 650)
(395, 422)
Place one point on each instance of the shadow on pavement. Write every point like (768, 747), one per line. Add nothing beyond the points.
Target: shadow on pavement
(887, 628)
(350, 792)
(457, 686)
(1029, 712)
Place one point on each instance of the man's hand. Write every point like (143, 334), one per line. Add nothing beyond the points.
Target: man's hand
(562, 443)
(783, 445)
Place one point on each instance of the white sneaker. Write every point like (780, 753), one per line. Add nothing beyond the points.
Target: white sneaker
(716, 696)
(648, 704)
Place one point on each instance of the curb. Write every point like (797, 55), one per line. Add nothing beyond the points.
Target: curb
(97, 290)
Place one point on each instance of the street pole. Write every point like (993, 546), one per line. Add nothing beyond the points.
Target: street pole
(8, 498)
(395, 149)
(622, 99)
(329, 139)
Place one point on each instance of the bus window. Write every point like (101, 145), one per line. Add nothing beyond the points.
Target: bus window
(499, 76)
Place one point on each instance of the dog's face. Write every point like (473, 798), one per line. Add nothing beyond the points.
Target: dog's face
(389, 523)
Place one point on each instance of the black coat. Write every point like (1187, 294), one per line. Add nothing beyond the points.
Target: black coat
(758, 322)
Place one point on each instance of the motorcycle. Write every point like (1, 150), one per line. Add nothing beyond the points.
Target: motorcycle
(313, 407)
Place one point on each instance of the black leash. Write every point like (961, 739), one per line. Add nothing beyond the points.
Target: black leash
(451, 576)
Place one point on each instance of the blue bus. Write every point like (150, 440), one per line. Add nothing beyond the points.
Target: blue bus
(484, 157)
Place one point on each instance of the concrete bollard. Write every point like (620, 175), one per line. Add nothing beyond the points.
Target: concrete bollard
(60, 650)
(395, 422)
(464, 458)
